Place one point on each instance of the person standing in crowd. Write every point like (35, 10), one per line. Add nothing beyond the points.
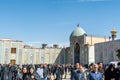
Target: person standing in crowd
(45, 71)
(53, 69)
(25, 75)
(49, 68)
(5, 71)
(12, 75)
(118, 72)
(71, 70)
(33, 75)
(19, 72)
(100, 69)
(0, 71)
(62, 70)
(110, 73)
(51, 77)
(90, 68)
(58, 72)
(106, 67)
(65, 70)
(74, 71)
(79, 75)
(95, 75)
(40, 72)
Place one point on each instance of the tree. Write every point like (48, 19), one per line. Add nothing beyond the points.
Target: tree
(118, 54)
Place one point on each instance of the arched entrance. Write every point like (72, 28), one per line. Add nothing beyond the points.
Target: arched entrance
(77, 53)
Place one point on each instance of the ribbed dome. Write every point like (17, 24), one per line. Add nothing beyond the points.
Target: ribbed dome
(78, 31)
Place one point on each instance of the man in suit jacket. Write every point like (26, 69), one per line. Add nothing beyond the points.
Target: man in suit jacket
(95, 75)
(80, 75)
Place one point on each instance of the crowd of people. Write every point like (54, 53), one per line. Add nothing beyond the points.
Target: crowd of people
(32, 72)
(59, 72)
(96, 72)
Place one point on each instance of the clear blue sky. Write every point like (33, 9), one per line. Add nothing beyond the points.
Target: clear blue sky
(52, 21)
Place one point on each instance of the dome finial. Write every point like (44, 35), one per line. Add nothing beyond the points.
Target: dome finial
(113, 33)
(78, 31)
(78, 25)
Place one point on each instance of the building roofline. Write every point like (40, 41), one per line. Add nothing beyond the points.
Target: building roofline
(108, 41)
(96, 35)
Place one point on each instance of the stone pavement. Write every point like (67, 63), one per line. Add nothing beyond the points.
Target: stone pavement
(67, 77)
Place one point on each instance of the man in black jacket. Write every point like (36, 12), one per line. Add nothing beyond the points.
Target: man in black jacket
(100, 69)
(45, 71)
(59, 72)
(118, 72)
(0, 71)
(5, 71)
(73, 73)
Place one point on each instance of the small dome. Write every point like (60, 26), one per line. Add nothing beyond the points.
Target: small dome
(78, 31)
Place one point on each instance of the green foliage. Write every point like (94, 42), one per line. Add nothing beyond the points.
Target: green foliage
(118, 54)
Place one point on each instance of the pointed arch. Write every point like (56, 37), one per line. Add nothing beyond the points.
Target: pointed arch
(77, 53)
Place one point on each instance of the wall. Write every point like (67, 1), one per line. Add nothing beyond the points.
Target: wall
(91, 54)
(91, 40)
(106, 51)
(1, 52)
(30, 55)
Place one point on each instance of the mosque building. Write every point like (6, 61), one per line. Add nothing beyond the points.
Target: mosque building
(84, 48)
(17, 52)
(106, 51)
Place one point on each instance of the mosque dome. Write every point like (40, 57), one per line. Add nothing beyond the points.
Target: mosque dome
(78, 31)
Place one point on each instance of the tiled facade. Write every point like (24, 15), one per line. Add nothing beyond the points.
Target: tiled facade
(86, 44)
(25, 54)
(106, 51)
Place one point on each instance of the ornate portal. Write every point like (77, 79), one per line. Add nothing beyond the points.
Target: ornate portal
(77, 53)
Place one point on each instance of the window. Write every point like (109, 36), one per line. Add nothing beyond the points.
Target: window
(13, 50)
(6, 50)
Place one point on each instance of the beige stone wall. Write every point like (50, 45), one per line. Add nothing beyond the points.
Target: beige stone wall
(50, 55)
(29, 54)
(91, 40)
(7, 51)
(37, 58)
(91, 54)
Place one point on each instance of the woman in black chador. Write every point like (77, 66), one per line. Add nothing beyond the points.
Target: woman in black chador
(110, 73)
(33, 75)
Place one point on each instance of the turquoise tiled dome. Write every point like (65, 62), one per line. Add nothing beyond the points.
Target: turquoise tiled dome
(78, 31)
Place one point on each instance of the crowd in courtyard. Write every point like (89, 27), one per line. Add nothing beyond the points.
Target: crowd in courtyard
(59, 72)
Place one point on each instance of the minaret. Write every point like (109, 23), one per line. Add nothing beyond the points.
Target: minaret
(113, 33)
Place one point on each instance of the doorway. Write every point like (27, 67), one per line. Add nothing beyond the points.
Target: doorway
(77, 53)
(12, 61)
